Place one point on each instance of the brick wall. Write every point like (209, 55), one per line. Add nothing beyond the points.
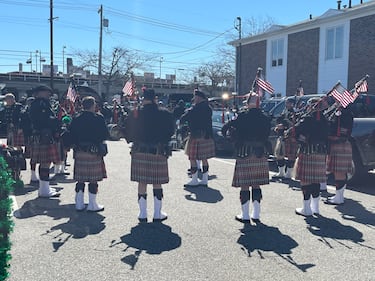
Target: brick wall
(362, 51)
(302, 61)
(252, 56)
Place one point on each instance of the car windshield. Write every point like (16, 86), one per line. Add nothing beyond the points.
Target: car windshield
(217, 116)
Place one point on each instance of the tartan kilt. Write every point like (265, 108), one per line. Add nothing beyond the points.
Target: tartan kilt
(149, 168)
(311, 168)
(291, 148)
(339, 159)
(15, 139)
(279, 148)
(88, 167)
(44, 153)
(250, 171)
(200, 148)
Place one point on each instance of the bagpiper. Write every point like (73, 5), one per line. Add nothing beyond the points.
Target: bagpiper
(310, 168)
(286, 145)
(250, 132)
(339, 159)
(45, 130)
(88, 133)
(11, 117)
(200, 144)
(149, 129)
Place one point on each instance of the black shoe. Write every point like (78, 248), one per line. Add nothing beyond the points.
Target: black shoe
(142, 220)
(256, 221)
(160, 220)
(238, 218)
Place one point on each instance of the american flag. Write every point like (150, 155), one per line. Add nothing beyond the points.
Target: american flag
(72, 93)
(265, 85)
(360, 87)
(342, 95)
(129, 87)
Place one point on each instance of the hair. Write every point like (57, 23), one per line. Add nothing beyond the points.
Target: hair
(88, 102)
(10, 96)
(42, 88)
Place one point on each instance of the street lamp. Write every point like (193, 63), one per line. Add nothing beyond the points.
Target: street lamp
(30, 61)
(161, 59)
(63, 53)
(36, 61)
(41, 59)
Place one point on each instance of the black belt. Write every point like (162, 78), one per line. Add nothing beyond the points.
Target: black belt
(156, 149)
(315, 148)
(251, 148)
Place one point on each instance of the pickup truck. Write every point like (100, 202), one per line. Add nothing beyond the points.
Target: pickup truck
(363, 133)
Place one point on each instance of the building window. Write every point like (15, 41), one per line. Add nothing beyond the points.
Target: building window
(277, 51)
(334, 43)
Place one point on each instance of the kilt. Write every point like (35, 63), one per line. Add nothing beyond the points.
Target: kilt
(200, 148)
(291, 148)
(339, 159)
(44, 153)
(311, 168)
(250, 171)
(279, 148)
(15, 138)
(149, 168)
(88, 167)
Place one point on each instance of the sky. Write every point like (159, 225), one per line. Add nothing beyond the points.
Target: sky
(178, 35)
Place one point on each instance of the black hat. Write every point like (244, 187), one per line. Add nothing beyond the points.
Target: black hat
(42, 88)
(149, 94)
(199, 94)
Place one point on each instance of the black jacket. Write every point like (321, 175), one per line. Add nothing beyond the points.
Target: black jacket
(42, 116)
(11, 115)
(199, 119)
(341, 125)
(149, 124)
(250, 125)
(312, 129)
(88, 127)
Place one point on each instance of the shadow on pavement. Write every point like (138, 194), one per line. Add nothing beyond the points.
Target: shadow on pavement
(203, 194)
(263, 238)
(354, 211)
(79, 225)
(330, 228)
(153, 238)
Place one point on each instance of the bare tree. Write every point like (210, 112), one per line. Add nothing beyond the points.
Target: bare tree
(116, 66)
(216, 74)
(254, 26)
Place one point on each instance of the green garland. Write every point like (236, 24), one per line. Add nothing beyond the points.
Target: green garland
(6, 223)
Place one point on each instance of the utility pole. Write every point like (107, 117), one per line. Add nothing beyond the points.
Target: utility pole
(51, 40)
(100, 51)
(238, 57)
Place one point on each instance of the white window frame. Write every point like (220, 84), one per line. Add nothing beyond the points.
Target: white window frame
(277, 52)
(336, 49)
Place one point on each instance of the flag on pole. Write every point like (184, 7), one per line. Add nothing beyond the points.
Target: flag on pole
(342, 95)
(72, 93)
(129, 87)
(266, 86)
(360, 87)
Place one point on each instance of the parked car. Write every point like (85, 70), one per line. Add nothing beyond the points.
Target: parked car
(363, 133)
(268, 105)
(222, 144)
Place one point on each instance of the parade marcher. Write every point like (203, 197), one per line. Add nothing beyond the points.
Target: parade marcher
(310, 168)
(45, 127)
(11, 117)
(88, 133)
(27, 132)
(150, 129)
(286, 145)
(339, 160)
(250, 132)
(200, 144)
(179, 110)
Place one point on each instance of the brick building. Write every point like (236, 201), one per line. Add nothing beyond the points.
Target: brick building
(336, 46)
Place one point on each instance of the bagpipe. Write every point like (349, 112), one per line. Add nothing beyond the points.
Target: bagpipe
(14, 157)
